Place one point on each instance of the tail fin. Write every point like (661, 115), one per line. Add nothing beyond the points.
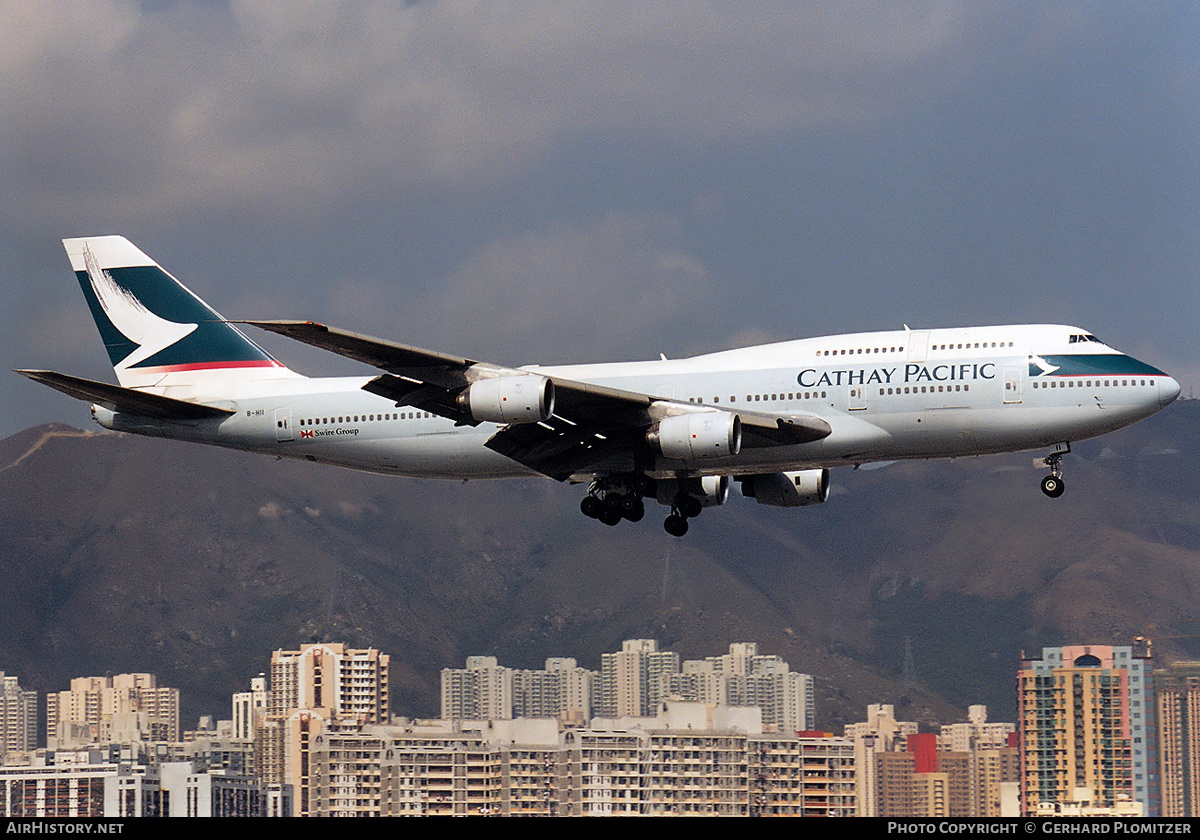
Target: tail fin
(158, 333)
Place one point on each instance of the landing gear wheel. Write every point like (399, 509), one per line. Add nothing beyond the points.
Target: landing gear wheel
(635, 512)
(676, 525)
(590, 506)
(609, 516)
(1053, 486)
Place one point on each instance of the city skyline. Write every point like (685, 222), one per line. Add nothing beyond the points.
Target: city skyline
(322, 744)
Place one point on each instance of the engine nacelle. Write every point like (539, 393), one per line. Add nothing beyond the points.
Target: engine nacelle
(527, 398)
(710, 490)
(698, 436)
(787, 489)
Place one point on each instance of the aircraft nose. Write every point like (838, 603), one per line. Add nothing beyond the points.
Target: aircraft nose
(1168, 390)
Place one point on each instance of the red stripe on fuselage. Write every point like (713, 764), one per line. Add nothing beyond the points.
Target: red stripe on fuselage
(253, 363)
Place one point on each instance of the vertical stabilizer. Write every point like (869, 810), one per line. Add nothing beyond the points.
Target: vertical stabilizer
(158, 334)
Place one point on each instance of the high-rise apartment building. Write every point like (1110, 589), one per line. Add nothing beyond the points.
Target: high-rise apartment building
(631, 679)
(249, 707)
(350, 684)
(742, 677)
(997, 775)
(484, 689)
(561, 690)
(1177, 703)
(879, 734)
(318, 687)
(993, 759)
(1085, 722)
(18, 716)
(117, 709)
(904, 773)
(689, 759)
(977, 732)
(98, 784)
(921, 781)
(631, 682)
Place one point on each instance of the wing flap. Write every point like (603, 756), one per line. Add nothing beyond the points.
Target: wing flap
(116, 398)
(432, 398)
(557, 447)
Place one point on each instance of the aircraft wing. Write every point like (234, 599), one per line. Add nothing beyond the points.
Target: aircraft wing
(590, 422)
(116, 398)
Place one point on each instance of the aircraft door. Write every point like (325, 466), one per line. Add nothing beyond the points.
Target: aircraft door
(283, 424)
(918, 345)
(858, 398)
(1012, 386)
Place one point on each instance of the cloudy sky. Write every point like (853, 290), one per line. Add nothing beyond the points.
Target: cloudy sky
(562, 182)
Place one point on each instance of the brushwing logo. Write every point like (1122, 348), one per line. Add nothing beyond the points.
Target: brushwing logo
(130, 316)
(1044, 367)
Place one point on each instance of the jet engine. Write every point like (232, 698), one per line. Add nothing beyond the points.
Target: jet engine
(526, 398)
(708, 490)
(698, 436)
(787, 489)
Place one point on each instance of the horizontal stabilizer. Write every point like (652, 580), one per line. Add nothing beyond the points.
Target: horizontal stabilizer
(116, 398)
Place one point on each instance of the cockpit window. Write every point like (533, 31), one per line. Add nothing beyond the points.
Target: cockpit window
(1076, 338)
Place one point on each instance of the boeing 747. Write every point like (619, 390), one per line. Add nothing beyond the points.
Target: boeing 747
(776, 418)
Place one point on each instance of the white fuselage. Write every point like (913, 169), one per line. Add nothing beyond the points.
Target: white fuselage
(886, 396)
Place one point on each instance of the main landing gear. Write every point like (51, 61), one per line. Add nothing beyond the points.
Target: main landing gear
(1053, 485)
(614, 498)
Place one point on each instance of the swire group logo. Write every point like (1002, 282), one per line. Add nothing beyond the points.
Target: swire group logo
(306, 433)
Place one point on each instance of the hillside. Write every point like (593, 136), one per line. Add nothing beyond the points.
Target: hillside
(121, 553)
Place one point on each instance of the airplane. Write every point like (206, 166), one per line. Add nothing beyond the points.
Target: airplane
(775, 418)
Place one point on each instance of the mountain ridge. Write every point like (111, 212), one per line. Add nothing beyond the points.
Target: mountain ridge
(124, 553)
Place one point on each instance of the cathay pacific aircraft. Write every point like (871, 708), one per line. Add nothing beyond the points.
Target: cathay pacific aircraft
(774, 418)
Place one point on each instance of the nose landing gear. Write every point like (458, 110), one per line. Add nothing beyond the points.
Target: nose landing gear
(1053, 484)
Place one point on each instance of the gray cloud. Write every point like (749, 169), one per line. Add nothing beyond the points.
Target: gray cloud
(603, 287)
(558, 181)
(285, 105)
